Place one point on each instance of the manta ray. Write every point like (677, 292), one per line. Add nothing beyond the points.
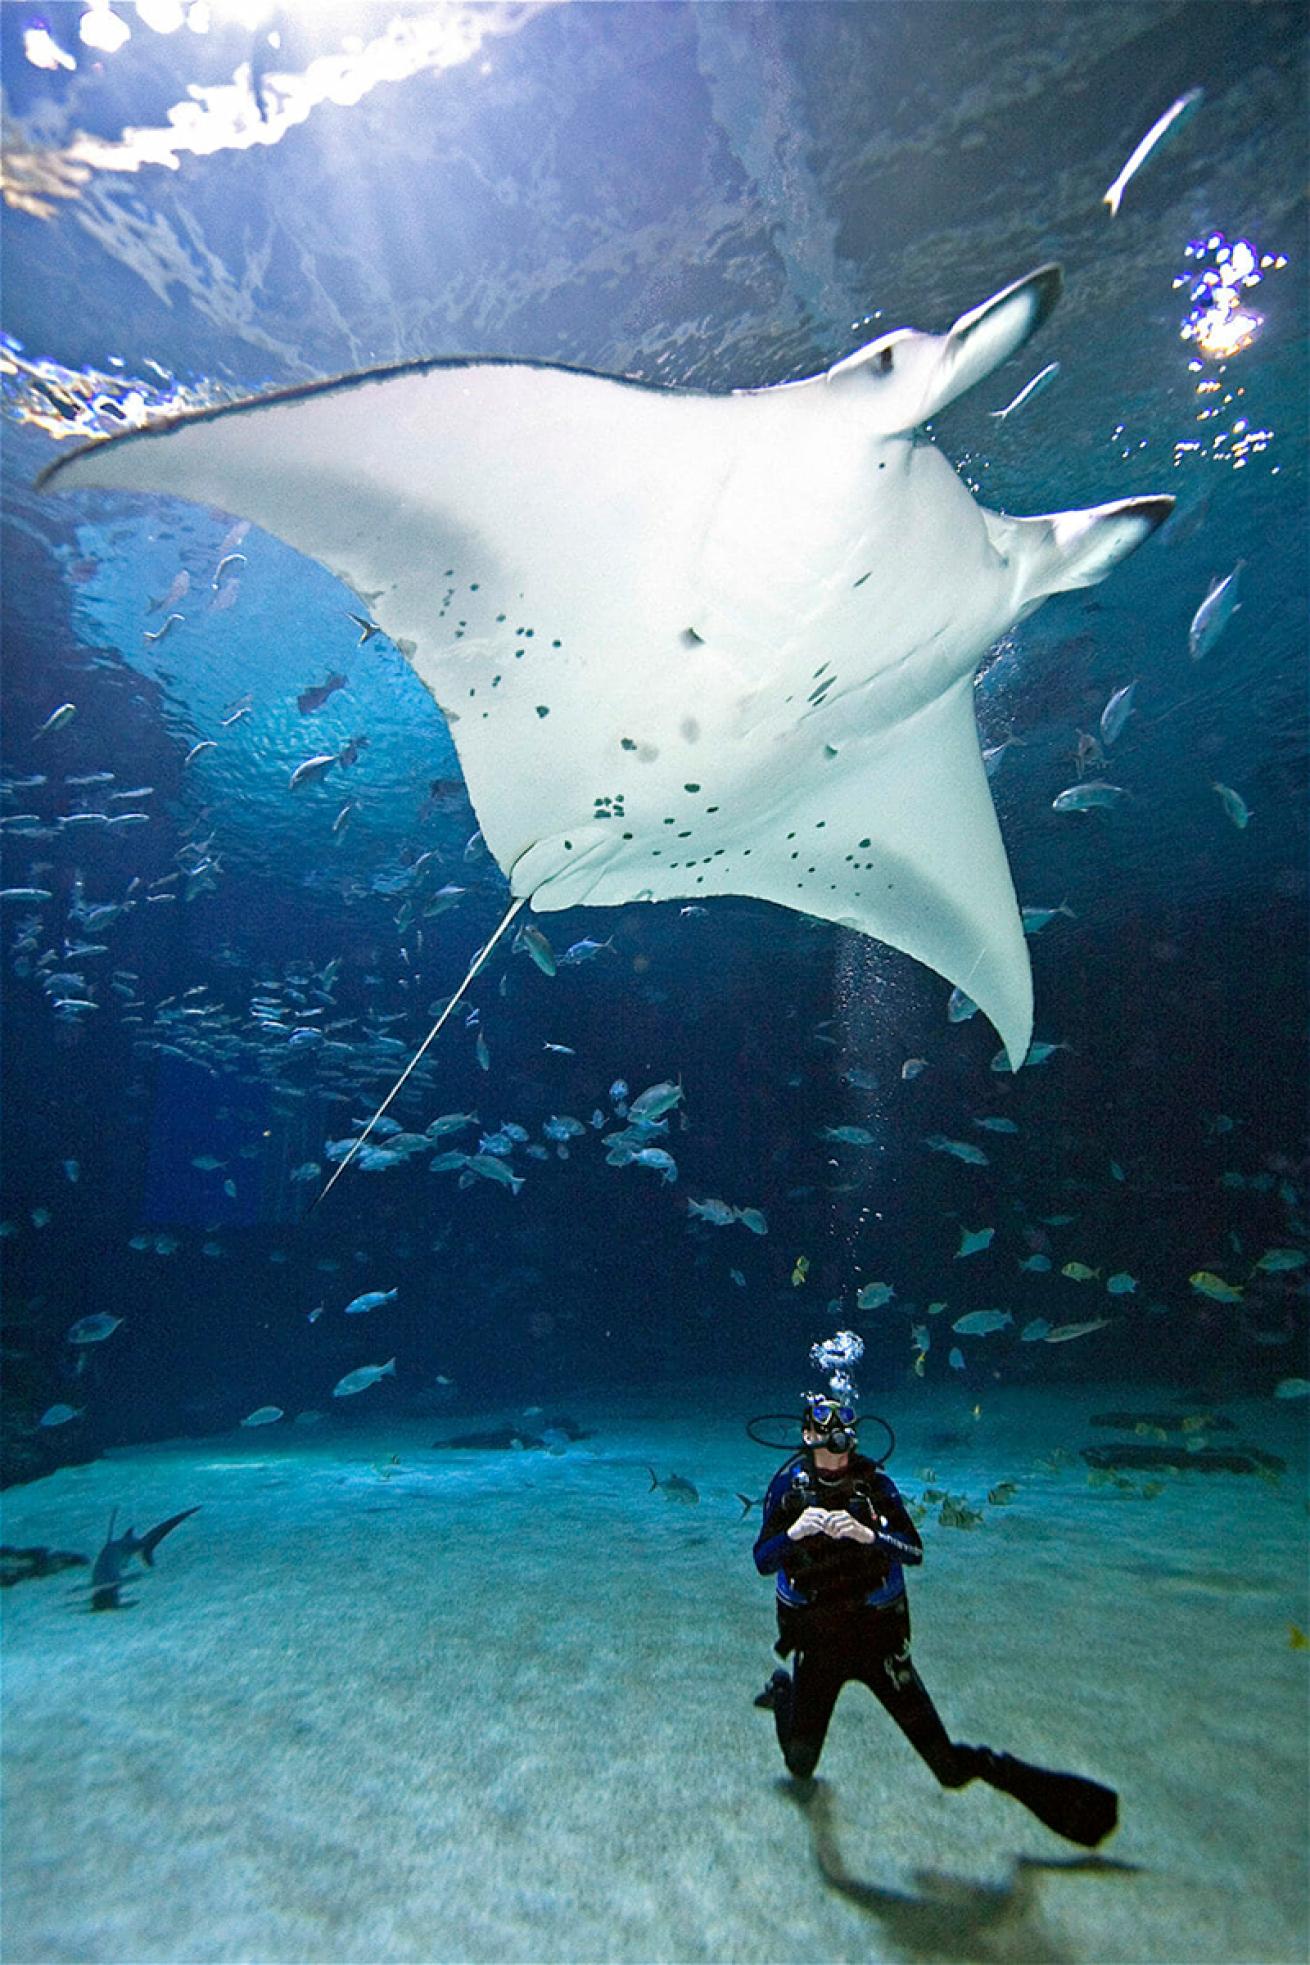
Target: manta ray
(687, 644)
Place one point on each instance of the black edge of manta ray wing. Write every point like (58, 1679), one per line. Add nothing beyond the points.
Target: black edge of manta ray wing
(164, 426)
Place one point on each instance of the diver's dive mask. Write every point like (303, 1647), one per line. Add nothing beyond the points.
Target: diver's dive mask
(837, 1423)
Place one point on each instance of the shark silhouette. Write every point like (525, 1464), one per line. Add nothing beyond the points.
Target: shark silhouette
(107, 1577)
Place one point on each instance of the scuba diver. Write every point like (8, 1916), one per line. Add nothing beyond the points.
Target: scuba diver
(837, 1535)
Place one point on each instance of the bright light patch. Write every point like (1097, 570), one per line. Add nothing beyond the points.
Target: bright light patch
(87, 402)
(43, 51)
(100, 27)
(226, 116)
(1220, 321)
(164, 16)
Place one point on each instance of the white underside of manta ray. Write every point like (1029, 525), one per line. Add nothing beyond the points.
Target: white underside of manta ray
(687, 644)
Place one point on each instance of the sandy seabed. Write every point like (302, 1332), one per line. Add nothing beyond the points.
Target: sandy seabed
(498, 1706)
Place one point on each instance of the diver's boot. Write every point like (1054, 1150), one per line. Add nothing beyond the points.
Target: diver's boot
(1079, 1809)
(768, 1699)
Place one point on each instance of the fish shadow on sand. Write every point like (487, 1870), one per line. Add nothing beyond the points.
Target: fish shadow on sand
(953, 1920)
(21, 1565)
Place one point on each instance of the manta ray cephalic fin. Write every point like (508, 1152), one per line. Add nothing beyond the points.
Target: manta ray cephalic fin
(1063, 550)
(905, 377)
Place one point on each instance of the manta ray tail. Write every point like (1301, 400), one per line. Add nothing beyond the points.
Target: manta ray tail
(1074, 549)
(474, 966)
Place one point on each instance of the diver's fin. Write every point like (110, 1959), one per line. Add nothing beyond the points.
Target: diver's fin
(1079, 1809)
(151, 1540)
(474, 966)
(1073, 549)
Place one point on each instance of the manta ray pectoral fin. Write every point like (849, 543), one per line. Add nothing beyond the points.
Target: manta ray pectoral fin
(907, 377)
(1062, 550)
(913, 855)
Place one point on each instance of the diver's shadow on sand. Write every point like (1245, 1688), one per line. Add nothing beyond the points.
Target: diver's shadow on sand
(953, 1920)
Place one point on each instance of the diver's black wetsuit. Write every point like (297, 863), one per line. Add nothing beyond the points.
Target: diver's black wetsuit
(842, 1610)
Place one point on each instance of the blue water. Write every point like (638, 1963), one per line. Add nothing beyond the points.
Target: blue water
(708, 197)
(703, 196)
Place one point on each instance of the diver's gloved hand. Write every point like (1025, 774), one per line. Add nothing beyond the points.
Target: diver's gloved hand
(814, 1521)
(843, 1527)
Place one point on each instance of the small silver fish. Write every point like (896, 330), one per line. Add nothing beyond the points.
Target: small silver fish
(60, 1415)
(57, 719)
(535, 944)
(1234, 805)
(313, 767)
(1037, 918)
(1117, 712)
(362, 1378)
(370, 1300)
(978, 1323)
(490, 1168)
(655, 1101)
(1167, 125)
(94, 1329)
(180, 587)
(1029, 390)
(158, 633)
(960, 1149)
(1214, 613)
(1092, 795)
(234, 538)
(1062, 1333)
